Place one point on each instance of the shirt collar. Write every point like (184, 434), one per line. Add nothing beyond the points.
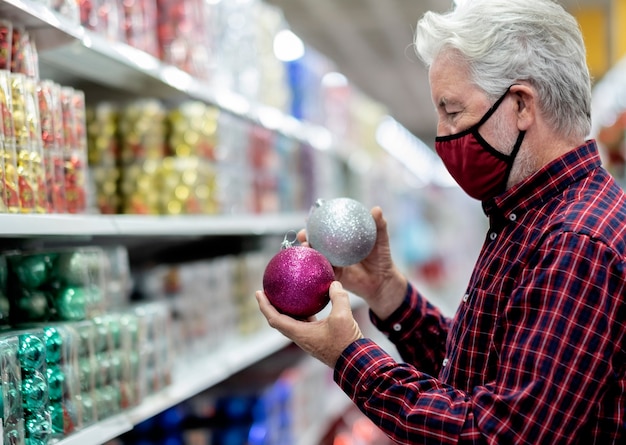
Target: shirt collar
(546, 183)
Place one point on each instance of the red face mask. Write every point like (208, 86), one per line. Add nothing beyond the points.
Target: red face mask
(480, 170)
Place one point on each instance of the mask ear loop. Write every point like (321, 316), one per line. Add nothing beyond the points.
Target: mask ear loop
(494, 107)
(513, 155)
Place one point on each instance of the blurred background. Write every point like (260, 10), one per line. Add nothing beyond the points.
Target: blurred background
(155, 153)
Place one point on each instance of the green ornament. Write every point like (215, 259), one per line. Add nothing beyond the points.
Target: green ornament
(54, 345)
(115, 330)
(95, 295)
(34, 392)
(85, 334)
(116, 366)
(85, 370)
(56, 382)
(89, 414)
(57, 417)
(115, 393)
(101, 336)
(104, 402)
(32, 305)
(70, 304)
(32, 352)
(134, 363)
(73, 268)
(31, 270)
(38, 429)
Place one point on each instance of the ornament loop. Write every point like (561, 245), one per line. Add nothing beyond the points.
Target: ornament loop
(287, 242)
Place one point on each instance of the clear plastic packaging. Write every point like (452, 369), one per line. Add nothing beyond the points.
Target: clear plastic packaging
(12, 412)
(34, 387)
(87, 370)
(66, 413)
(55, 285)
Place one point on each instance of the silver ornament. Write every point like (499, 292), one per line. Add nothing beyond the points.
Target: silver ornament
(341, 229)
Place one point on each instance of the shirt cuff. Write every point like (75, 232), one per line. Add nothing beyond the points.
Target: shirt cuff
(355, 365)
(404, 319)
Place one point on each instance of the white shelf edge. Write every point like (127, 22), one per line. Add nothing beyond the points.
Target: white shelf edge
(36, 225)
(200, 225)
(100, 432)
(54, 224)
(39, 18)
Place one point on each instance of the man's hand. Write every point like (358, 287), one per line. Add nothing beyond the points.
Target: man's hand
(376, 279)
(323, 339)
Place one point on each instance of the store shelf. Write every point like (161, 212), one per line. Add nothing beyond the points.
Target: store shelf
(118, 66)
(278, 223)
(69, 54)
(61, 43)
(138, 226)
(49, 29)
(100, 433)
(188, 379)
(193, 377)
(122, 67)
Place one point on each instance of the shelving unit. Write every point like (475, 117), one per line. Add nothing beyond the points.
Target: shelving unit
(233, 356)
(142, 226)
(117, 66)
(120, 66)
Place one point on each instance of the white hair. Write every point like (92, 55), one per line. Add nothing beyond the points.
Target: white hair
(506, 41)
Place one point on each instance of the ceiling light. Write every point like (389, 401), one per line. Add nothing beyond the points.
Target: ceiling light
(288, 46)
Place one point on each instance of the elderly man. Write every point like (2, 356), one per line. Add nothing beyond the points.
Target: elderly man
(536, 351)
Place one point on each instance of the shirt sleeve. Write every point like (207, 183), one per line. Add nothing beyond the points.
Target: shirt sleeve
(560, 331)
(418, 330)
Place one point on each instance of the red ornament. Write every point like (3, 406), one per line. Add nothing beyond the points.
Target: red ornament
(296, 281)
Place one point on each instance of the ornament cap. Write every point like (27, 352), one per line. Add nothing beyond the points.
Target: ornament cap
(289, 240)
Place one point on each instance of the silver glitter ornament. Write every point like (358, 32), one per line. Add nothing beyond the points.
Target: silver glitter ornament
(341, 229)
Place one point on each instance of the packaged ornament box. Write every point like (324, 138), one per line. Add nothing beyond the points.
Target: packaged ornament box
(55, 285)
(12, 409)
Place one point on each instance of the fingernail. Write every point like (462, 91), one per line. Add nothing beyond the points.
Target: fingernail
(336, 285)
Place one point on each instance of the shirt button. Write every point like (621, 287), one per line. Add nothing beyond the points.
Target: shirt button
(445, 362)
(397, 327)
(513, 217)
(493, 236)
(465, 298)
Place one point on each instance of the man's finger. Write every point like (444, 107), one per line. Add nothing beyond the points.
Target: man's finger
(281, 322)
(301, 236)
(339, 297)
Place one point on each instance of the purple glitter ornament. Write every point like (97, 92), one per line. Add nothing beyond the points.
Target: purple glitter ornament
(296, 281)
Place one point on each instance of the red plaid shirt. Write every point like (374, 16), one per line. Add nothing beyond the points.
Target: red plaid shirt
(536, 353)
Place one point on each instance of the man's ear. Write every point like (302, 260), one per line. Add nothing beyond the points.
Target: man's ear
(525, 105)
